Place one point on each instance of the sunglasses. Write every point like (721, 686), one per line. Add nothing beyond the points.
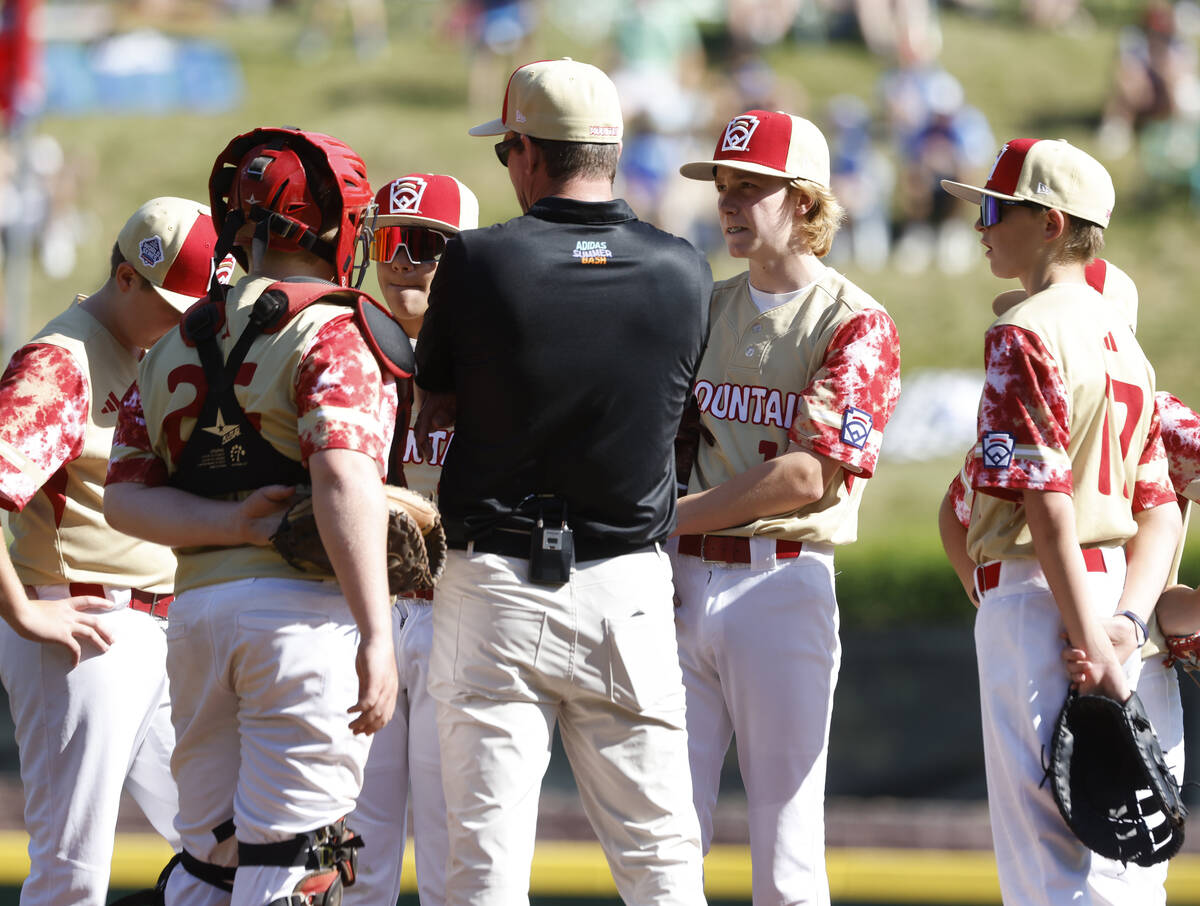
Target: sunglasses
(990, 208)
(505, 147)
(421, 244)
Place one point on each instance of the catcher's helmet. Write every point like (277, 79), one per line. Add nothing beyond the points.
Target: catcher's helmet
(302, 189)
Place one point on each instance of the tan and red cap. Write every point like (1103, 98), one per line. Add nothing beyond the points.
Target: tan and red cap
(559, 100)
(1049, 172)
(775, 144)
(427, 199)
(170, 241)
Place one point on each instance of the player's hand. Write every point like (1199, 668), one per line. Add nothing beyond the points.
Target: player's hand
(257, 517)
(70, 623)
(1123, 635)
(378, 683)
(1096, 677)
(438, 412)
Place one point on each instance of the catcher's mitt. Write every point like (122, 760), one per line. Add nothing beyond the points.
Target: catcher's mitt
(1111, 782)
(416, 542)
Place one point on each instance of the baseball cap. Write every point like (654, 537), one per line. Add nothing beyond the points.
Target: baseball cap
(777, 144)
(1116, 286)
(427, 199)
(1049, 172)
(559, 100)
(170, 241)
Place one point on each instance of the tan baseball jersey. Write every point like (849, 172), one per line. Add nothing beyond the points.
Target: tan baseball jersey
(313, 385)
(1068, 406)
(821, 371)
(59, 400)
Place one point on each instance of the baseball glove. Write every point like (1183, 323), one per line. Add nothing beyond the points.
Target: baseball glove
(1111, 782)
(1184, 650)
(416, 542)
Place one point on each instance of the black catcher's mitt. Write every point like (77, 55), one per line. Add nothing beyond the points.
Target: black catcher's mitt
(1111, 782)
(416, 542)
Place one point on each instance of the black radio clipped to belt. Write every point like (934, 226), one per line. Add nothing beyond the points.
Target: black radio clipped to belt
(551, 550)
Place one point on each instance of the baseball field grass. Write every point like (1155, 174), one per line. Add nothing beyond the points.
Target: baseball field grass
(407, 110)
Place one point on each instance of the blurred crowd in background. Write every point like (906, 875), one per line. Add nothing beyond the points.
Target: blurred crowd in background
(681, 67)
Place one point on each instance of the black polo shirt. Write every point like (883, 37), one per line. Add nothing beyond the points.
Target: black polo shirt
(571, 337)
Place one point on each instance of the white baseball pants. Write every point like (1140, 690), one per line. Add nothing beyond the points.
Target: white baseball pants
(406, 749)
(1023, 684)
(83, 734)
(760, 652)
(262, 674)
(1158, 688)
(596, 655)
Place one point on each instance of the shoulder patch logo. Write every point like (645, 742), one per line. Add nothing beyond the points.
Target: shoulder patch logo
(150, 251)
(592, 252)
(998, 449)
(738, 133)
(405, 196)
(856, 426)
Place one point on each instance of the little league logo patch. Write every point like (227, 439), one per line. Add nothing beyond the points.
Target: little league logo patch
(150, 251)
(738, 133)
(856, 426)
(406, 195)
(998, 449)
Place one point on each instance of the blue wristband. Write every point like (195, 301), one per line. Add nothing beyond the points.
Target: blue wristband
(1139, 623)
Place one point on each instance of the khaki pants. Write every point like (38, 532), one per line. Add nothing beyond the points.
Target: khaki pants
(596, 655)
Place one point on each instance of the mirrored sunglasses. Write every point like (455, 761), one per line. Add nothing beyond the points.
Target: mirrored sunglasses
(990, 208)
(421, 244)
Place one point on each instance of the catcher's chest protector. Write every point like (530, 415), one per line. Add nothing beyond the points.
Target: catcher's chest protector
(225, 453)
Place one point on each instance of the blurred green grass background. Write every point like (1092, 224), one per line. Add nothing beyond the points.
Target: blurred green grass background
(407, 110)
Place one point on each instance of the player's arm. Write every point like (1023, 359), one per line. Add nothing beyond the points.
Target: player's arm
(954, 542)
(138, 502)
(63, 622)
(1050, 516)
(351, 514)
(780, 485)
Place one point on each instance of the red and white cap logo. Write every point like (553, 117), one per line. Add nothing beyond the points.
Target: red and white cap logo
(739, 132)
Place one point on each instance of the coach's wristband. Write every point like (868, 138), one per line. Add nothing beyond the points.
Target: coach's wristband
(1139, 623)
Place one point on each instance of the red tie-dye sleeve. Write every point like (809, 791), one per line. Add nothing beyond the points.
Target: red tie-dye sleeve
(1181, 436)
(44, 400)
(133, 458)
(1023, 418)
(343, 399)
(844, 409)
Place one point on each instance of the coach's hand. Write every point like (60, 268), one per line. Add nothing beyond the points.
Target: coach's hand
(438, 411)
(378, 682)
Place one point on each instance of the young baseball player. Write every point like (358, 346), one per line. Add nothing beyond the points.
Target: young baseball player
(1069, 454)
(415, 214)
(1133, 627)
(800, 376)
(278, 677)
(88, 690)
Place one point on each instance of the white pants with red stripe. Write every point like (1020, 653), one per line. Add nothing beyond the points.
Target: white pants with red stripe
(760, 653)
(597, 656)
(83, 735)
(404, 766)
(262, 674)
(1023, 684)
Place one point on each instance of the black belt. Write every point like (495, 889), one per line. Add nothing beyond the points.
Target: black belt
(509, 543)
